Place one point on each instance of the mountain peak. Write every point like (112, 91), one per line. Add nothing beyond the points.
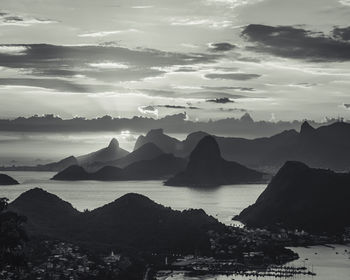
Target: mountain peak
(155, 132)
(114, 144)
(246, 118)
(207, 149)
(306, 128)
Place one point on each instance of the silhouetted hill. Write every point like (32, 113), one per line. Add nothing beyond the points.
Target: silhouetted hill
(145, 152)
(302, 197)
(108, 173)
(161, 167)
(72, 173)
(206, 167)
(136, 221)
(7, 180)
(47, 214)
(131, 221)
(110, 153)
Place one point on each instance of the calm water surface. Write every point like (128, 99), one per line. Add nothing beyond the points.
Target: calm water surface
(329, 263)
(222, 202)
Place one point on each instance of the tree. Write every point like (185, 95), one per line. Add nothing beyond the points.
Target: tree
(12, 236)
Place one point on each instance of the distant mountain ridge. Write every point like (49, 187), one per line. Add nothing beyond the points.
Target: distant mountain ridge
(325, 147)
(316, 200)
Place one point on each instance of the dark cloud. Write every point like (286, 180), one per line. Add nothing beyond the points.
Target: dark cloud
(292, 42)
(214, 94)
(228, 88)
(233, 110)
(101, 62)
(186, 69)
(233, 76)
(178, 107)
(221, 47)
(342, 33)
(346, 106)
(223, 100)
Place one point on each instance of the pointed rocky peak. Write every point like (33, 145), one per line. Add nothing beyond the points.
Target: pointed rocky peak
(246, 118)
(114, 144)
(206, 149)
(306, 129)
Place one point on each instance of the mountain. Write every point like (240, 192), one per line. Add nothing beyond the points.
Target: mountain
(301, 197)
(131, 221)
(323, 147)
(7, 180)
(72, 173)
(108, 173)
(145, 152)
(161, 167)
(156, 136)
(60, 165)
(206, 167)
(110, 153)
(136, 221)
(46, 213)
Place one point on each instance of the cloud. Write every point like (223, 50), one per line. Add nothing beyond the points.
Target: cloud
(233, 76)
(233, 110)
(106, 33)
(222, 100)
(178, 107)
(104, 63)
(148, 110)
(7, 19)
(109, 65)
(54, 84)
(12, 50)
(221, 47)
(292, 42)
(205, 22)
(342, 33)
(228, 88)
(346, 106)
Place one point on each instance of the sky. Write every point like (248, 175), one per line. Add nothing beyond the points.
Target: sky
(277, 60)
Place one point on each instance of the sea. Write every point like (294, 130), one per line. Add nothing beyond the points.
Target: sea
(328, 262)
